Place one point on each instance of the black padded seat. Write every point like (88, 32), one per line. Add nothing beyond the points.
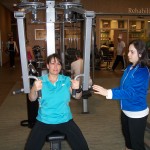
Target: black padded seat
(55, 140)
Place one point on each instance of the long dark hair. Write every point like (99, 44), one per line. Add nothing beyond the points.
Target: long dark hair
(140, 46)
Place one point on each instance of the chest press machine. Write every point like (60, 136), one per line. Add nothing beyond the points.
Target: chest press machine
(50, 7)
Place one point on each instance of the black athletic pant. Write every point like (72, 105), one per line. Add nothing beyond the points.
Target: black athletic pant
(40, 130)
(133, 130)
(118, 59)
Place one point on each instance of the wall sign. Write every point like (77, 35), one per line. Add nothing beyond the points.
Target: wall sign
(139, 10)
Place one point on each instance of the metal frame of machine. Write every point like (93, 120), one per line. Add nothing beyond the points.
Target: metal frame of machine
(68, 7)
(50, 30)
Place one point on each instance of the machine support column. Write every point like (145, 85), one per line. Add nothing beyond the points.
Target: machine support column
(62, 50)
(86, 57)
(21, 34)
(50, 26)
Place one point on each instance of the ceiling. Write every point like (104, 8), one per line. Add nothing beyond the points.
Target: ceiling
(9, 4)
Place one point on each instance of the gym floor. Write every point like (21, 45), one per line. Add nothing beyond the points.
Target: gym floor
(101, 127)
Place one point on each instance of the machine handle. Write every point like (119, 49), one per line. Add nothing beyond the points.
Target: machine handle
(18, 91)
(73, 93)
(74, 90)
(39, 94)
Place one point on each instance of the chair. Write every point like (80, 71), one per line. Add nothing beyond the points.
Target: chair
(106, 56)
(55, 139)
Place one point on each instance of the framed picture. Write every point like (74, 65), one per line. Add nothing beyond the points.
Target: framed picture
(40, 34)
(120, 24)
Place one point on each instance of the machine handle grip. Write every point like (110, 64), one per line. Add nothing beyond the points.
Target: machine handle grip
(39, 94)
(18, 91)
(73, 93)
(73, 90)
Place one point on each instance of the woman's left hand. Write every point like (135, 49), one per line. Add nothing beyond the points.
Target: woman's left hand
(100, 90)
(75, 84)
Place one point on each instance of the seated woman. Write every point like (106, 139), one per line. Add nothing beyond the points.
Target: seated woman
(54, 112)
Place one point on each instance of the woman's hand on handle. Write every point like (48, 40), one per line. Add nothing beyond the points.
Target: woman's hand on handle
(37, 86)
(75, 84)
(74, 87)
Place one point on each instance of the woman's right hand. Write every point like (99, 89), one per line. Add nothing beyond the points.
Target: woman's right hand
(37, 85)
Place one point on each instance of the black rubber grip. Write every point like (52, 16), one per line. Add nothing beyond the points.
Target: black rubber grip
(73, 93)
(18, 91)
(39, 94)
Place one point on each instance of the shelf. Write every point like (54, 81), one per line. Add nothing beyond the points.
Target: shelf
(136, 34)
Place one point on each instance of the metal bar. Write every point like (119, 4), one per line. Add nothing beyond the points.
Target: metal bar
(83, 12)
(87, 50)
(79, 10)
(50, 26)
(93, 51)
(23, 55)
(62, 50)
(88, 15)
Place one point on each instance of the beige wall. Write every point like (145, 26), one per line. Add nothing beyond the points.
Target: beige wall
(114, 6)
(5, 29)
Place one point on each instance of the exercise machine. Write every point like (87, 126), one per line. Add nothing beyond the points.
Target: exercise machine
(50, 8)
(69, 8)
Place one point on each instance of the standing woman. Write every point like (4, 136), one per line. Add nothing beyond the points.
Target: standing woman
(54, 112)
(132, 94)
(12, 48)
(30, 55)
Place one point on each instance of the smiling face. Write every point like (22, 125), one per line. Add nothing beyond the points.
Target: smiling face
(133, 55)
(54, 66)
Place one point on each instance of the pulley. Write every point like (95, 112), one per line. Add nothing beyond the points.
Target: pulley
(30, 4)
(33, 6)
(68, 15)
